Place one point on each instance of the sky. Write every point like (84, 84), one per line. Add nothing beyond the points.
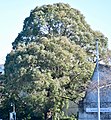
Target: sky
(13, 13)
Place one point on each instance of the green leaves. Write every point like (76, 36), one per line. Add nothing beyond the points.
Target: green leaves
(48, 72)
(61, 20)
(51, 61)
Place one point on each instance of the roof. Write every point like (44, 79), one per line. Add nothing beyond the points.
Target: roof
(104, 77)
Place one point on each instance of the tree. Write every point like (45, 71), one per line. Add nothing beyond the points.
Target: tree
(50, 62)
(2, 94)
(61, 20)
(44, 74)
(2, 78)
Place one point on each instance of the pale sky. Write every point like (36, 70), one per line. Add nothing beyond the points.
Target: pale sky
(13, 13)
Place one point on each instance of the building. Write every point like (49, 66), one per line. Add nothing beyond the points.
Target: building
(88, 107)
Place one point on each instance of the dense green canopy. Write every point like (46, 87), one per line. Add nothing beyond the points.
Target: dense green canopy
(61, 20)
(47, 73)
(51, 61)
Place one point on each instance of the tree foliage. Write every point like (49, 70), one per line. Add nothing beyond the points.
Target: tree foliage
(61, 20)
(46, 73)
(2, 79)
(50, 62)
